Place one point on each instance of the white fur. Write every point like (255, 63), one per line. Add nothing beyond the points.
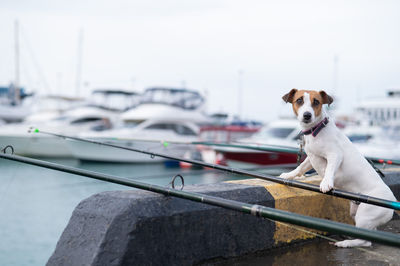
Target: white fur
(342, 166)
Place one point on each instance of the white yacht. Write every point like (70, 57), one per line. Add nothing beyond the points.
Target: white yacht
(375, 141)
(153, 135)
(93, 115)
(164, 103)
(374, 128)
(380, 111)
(48, 107)
(163, 117)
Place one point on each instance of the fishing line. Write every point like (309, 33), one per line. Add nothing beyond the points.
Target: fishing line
(293, 183)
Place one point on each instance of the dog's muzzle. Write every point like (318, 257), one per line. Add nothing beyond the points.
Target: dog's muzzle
(307, 117)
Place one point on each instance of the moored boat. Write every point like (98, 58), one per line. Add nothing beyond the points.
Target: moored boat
(90, 116)
(163, 114)
(283, 132)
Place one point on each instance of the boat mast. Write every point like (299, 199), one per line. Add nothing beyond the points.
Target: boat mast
(79, 64)
(16, 81)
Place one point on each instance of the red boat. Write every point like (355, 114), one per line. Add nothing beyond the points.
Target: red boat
(222, 131)
(283, 133)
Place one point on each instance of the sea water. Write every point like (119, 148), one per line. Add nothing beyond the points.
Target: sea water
(36, 203)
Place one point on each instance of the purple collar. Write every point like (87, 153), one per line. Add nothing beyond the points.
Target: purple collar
(315, 130)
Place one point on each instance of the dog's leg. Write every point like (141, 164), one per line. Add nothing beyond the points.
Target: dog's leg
(353, 210)
(300, 170)
(368, 217)
(333, 162)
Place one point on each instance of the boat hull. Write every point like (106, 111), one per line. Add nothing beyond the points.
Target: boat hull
(100, 153)
(37, 146)
(247, 158)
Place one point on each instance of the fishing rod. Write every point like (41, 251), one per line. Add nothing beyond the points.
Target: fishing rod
(293, 183)
(253, 209)
(247, 146)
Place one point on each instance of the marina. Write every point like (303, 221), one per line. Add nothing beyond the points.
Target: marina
(212, 133)
(144, 148)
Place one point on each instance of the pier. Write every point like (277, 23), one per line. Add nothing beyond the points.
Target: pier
(142, 228)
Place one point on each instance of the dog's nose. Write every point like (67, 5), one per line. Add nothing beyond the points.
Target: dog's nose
(307, 116)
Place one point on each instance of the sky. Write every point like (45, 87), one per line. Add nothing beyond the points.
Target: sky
(244, 55)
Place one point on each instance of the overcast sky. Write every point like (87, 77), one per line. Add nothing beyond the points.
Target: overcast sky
(204, 45)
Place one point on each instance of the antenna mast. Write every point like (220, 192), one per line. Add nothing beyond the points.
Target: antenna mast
(79, 64)
(16, 81)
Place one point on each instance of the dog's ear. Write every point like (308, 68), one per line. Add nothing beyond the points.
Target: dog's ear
(288, 97)
(326, 98)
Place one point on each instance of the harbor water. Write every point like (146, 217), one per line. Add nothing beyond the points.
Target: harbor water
(36, 203)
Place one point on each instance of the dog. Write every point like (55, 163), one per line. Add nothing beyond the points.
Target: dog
(338, 161)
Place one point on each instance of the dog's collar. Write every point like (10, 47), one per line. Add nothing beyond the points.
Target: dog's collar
(315, 130)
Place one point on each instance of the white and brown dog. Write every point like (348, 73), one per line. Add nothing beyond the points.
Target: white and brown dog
(335, 159)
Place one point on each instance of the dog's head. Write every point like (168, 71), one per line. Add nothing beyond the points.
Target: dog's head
(307, 104)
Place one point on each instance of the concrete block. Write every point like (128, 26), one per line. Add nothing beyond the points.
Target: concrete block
(144, 228)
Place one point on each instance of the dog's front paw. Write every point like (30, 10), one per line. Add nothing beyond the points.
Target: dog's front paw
(289, 175)
(326, 185)
(353, 243)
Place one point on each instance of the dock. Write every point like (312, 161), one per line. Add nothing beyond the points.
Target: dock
(144, 228)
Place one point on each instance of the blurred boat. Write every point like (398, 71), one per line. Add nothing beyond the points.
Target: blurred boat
(48, 107)
(93, 115)
(381, 142)
(13, 107)
(163, 113)
(379, 111)
(224, 128)
(147, 135)
(283, 132)
(162, 103)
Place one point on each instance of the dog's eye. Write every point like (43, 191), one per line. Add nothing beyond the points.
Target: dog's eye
(315, 102)
(299, 100)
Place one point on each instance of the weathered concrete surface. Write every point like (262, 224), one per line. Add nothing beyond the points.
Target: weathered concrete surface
(321, 252)
(144, 228)
(302, 202)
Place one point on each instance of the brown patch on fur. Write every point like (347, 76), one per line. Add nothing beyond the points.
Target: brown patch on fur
(317, 99)
(326, 98)
(288, 97)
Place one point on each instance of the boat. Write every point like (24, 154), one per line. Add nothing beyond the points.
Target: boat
(380, 111)
(381, 142)
(163, 114)
(48, 107)
(13, 106)
(284, 132)
(162, 102)
(224, 128)
(147, 135)
(374, 127)
(93, 115)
